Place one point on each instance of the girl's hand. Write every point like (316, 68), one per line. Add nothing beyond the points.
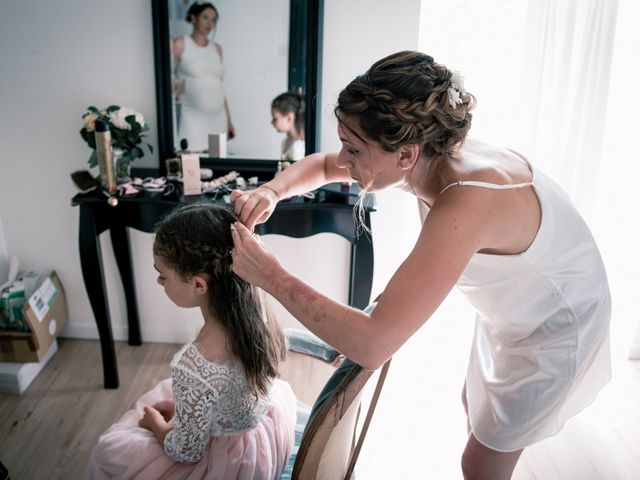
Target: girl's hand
(254, 206)
(251, 260)
(167, 409)
(152, 419)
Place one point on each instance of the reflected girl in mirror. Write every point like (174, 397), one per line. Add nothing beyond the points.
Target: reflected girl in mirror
(198, 86)
(287, 116)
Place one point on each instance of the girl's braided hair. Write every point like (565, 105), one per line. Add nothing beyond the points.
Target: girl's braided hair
(405, 99)
(196, 239)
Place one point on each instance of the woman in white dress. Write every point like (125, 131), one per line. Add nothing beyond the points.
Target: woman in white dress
(198, 76)
(494, 226)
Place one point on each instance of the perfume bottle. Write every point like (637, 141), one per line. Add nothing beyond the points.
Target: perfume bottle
(173, 166)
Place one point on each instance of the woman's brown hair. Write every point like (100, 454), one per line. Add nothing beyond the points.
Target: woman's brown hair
(405, 98)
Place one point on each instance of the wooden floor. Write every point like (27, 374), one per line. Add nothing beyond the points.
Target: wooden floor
(49, 431)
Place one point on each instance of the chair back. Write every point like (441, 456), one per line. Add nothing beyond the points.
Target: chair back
(331, 441)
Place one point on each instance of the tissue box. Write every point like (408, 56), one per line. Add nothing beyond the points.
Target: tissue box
(46, 313)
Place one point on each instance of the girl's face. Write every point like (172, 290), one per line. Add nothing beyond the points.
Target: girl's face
(205, 22)
(182, 292)
(282, 122)
(367, 163)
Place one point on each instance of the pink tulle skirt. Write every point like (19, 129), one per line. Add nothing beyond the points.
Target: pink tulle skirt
(128, 451)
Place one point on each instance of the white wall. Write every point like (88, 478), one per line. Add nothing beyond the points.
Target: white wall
(4, 256)
(57, 58)
(356, 34)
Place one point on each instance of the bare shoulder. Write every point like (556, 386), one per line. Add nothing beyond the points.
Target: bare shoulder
(502, 221)
(451, 234)
(460, 220)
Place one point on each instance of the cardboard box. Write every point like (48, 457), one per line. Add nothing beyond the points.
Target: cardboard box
(16, 377)
(46, 314)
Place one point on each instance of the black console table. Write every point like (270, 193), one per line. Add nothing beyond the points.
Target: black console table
(331, 211)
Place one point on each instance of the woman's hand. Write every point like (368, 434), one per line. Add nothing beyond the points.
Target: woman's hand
(254, 206)
(251, 260)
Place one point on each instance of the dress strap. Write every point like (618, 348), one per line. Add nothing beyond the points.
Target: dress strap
(494, 186)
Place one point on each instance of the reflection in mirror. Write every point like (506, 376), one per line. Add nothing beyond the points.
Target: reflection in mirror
(266, 51)
(287, 116)
(228, 63)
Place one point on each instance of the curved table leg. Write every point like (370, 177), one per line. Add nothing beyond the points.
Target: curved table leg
(120, 243)
(361, 271)
(93, 275)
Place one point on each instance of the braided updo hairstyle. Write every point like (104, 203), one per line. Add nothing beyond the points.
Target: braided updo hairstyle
(405, 98)
(196, 239)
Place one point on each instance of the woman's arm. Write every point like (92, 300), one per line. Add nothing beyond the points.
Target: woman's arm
(256, 206)
(177, 48)
(231, 130)
(455, 229)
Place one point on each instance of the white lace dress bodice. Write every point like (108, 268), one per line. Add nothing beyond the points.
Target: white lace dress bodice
(211, 400)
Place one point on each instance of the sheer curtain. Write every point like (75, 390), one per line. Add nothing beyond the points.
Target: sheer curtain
(568, 48)
(542, 72)
(553, 80)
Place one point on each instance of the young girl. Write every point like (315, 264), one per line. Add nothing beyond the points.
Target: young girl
(222, 414)
(287, 116)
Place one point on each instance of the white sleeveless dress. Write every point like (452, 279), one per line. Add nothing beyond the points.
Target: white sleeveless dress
(540, 350)
(202, 110)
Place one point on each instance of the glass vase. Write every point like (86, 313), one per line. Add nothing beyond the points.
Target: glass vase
(121, 166)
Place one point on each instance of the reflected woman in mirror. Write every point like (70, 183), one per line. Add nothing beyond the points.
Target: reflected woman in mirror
(287, 116)
(198, 75)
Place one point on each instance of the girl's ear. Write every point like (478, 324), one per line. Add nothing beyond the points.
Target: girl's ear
(408, 156)
(200, 284)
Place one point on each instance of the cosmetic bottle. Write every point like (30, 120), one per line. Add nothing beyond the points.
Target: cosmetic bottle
(173, 166)
(105, 160)
(184, 146)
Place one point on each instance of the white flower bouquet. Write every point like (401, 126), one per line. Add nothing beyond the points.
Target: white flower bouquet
(127, 128)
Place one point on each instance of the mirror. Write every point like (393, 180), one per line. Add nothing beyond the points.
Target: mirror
(268, 48)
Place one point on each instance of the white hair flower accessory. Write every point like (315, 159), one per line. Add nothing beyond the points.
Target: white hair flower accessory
(119, 118)
(456, 90)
